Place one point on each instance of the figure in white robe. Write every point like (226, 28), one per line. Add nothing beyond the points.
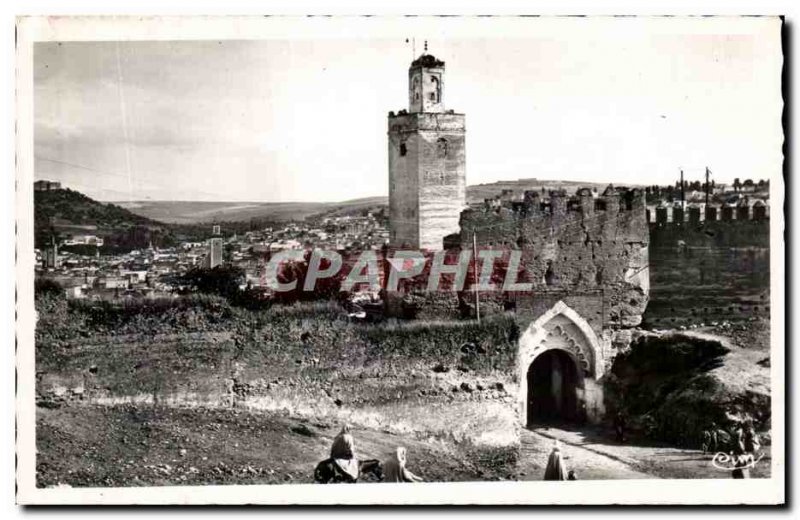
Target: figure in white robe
(343, 453)
(394, 470)
(555, 469)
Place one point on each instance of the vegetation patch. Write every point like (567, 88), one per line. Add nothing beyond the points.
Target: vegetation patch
(666, 387)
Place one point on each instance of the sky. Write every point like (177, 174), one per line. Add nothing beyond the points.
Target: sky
(305, 119)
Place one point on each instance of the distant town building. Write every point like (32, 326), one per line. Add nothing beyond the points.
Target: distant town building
(91, 240)
(216, 231)
(214, 257)
(111, 282)
(74, 292)
(46, 185)
(51, 258)
(427, 172)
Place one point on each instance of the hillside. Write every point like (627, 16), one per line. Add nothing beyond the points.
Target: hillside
(193, 212)
(188, 212)
(76, 208)
(65, 211)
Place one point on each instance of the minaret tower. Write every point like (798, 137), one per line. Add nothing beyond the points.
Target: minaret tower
(427, 173)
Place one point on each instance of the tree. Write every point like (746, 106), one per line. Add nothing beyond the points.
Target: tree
(227, 252)
(47, 287)
(223, 280)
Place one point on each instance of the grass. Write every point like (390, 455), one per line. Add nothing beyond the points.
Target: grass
(306, 359)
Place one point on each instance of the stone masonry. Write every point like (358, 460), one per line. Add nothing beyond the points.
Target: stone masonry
(585, 244)
(427, 174)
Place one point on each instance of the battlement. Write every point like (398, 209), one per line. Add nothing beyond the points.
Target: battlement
(556, 202)
(538, 217)
(661, 216)
(712, 226)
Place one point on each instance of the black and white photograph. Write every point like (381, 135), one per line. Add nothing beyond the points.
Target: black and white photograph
(291, 260)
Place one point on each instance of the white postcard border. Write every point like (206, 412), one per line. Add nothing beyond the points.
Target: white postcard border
(30, 30)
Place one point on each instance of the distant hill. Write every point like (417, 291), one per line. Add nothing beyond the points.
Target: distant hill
(354, 207)
(187, 212)
(480, 192)
(65, 211)
(76, 208)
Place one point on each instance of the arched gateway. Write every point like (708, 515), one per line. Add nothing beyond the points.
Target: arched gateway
(559, 362)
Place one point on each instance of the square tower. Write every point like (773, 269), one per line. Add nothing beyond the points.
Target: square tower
(427, 167)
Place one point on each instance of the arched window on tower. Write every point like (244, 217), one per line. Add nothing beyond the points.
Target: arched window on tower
(441, 148)
(437, 93)
(415, 87)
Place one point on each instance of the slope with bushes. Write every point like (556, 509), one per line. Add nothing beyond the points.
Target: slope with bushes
(674, 386)
(121, 230)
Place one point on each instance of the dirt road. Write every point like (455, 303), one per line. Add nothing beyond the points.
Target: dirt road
(138, 446)
(587, 464)
(147, 446)
(594, 454)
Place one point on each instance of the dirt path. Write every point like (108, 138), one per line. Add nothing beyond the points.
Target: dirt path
(587, 464)
(135, 446)
(596, 455)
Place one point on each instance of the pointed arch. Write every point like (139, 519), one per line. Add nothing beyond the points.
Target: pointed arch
(562, 328)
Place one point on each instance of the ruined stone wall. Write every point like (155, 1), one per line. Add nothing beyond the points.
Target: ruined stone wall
(706, 285)
(427, 185)
(716, 233)
(574, 246)
(709, 266)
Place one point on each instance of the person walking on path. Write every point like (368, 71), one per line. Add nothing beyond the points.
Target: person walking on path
(750, 439)
(706, 441)
(714, 445)
(394, 470)
(738, 438)
(619, 427)
(343, 453)
(555, 469)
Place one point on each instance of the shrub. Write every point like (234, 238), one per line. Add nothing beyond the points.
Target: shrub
(664, 386)
(222, 280)
(47, 287)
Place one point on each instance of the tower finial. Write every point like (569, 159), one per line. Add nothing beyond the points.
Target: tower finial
(426, 46)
